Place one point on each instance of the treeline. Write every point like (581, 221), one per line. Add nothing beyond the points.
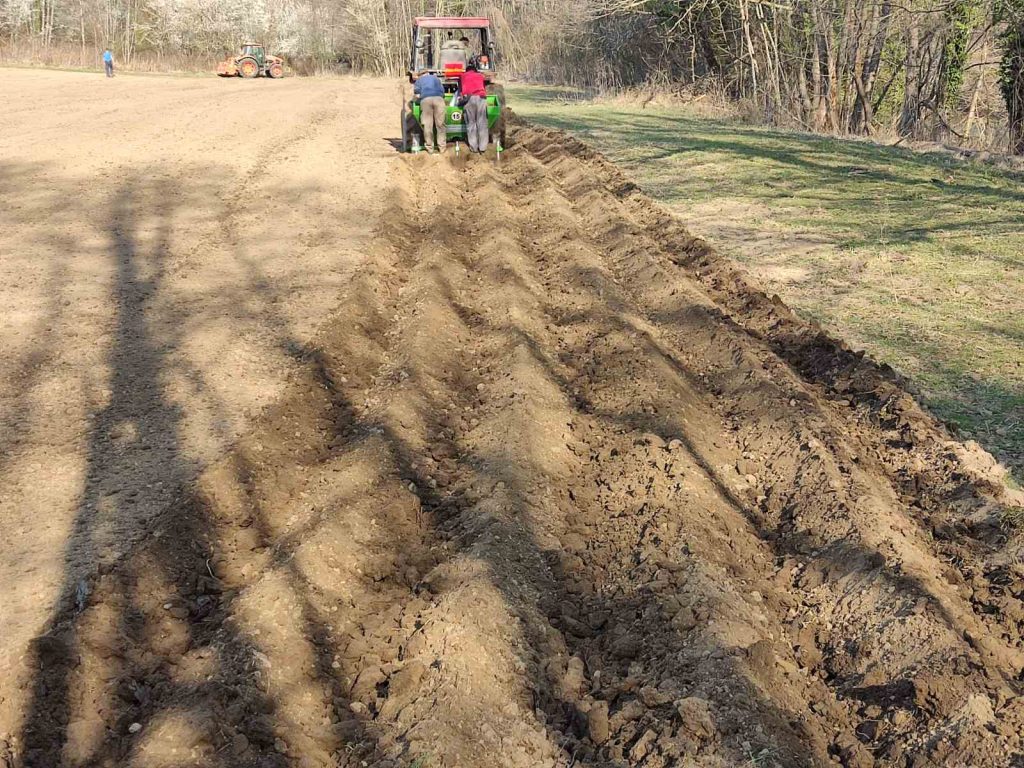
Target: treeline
(927, 69)
(949, 70)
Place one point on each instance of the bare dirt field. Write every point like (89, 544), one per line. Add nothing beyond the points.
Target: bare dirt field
(316, 455)
(167, 247)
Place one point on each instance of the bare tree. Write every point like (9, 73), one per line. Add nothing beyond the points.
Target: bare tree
(1011, 71)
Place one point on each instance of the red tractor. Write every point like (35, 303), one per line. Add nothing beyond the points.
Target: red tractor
(253, 61)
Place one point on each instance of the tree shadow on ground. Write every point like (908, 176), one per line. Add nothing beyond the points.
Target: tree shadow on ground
(109, 676)
(29, 369)
(124, 432)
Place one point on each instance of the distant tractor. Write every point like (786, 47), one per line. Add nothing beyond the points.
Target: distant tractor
(252, 62)
(446, 45)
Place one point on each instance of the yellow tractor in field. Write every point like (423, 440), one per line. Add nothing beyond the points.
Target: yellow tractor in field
(253, 61)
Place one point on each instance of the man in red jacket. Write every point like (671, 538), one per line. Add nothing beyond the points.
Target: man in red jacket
(473, 97)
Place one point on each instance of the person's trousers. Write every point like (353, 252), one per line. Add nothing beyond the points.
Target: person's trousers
(109, 66)
(432, 115)
(475, 118)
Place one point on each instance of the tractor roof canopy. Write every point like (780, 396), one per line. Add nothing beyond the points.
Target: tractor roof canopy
(447, 45)
(452, 22)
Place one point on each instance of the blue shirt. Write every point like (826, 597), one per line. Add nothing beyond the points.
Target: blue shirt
(427, 86)
(108, 56)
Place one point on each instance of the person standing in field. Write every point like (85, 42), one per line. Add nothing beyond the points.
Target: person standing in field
(108, 62)
(429, 91)
(473, 98)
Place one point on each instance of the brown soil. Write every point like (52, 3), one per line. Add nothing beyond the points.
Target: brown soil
(554, 487)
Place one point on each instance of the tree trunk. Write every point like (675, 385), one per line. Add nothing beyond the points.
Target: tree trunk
(820, 102)
(863, 112)
(707, 48)
(911, 112)
(1011, 72)
(979, 85)
(745, 17)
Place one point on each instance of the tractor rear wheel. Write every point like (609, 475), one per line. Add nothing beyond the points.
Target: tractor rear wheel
(405, 129)
(248, 67)
(499, 131)
(412, 132)
(275, 71)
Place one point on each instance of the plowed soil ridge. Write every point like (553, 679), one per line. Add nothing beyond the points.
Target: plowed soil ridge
(557, 486)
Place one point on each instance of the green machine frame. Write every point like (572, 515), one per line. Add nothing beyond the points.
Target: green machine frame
(454, 116)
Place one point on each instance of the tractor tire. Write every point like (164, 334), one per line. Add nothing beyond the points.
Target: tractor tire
(275, 71)
(412, 132)
(248, 67)
(406, 136)
(499, 131)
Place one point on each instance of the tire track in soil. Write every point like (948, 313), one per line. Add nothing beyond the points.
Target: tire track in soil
(278, 146)
(560, 488)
